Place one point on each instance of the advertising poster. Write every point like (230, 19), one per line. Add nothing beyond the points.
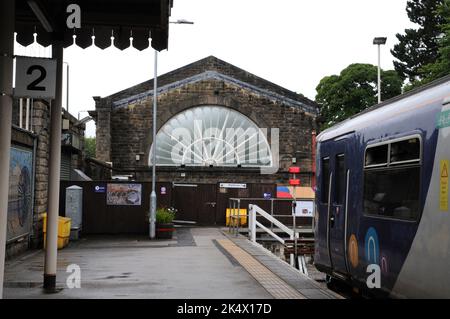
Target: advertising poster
(20, 193)
(124, 194)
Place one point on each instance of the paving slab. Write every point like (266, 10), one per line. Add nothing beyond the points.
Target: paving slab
(189, 266)
(277, 287)
(306, 286)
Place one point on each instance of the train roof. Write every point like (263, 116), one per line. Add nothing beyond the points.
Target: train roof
(424, 95)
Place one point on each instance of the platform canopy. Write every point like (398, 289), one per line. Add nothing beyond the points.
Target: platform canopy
(103, 19)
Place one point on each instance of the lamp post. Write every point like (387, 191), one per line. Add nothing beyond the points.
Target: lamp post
(155, 107)
(153, 194)
(379, 41)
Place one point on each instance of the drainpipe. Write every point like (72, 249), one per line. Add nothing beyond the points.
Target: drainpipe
(21, 113)
(32, 112)
(33, 184)
(27, 114)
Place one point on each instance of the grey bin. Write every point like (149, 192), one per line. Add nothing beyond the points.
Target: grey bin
(74, 210)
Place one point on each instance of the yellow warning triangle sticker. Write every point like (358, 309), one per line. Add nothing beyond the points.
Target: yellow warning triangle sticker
(444, 172)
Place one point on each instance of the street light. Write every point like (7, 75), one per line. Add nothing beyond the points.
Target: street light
(155, 105)
(379, 41)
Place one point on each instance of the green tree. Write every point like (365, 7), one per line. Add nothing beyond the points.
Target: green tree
(440, 67)
(89, 146)
(354, 90)
(418, 47)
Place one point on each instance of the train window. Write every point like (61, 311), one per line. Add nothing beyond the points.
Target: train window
(392, 192)
(325, 179)
(405, 151)
(377, 155)
(341, 182)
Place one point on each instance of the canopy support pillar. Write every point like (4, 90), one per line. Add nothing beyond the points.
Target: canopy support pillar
(51, 250)
(7, 14)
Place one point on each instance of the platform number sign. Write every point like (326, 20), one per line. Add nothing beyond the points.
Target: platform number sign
(35, 77)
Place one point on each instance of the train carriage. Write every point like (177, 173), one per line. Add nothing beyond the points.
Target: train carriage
(382, 196)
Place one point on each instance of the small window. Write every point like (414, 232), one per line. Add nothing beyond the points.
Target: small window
(377, 155)
(392, 192)
(405, 151)
(341, 181)
(325, 179)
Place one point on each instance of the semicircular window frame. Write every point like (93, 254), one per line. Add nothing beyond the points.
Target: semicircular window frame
(212, 136)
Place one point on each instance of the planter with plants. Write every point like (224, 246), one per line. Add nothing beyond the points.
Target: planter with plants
(164, 223)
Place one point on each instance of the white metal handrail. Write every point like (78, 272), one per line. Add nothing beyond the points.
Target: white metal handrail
(255, 210)
(236, 217)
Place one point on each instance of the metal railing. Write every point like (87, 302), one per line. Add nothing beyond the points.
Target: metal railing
(254, 211)
(235, 205)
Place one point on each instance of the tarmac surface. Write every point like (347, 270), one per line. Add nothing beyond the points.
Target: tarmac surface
(199, 263)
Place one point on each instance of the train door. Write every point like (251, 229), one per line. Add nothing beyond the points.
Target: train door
(335, 159)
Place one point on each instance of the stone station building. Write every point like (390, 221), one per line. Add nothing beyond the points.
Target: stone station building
(217, 125)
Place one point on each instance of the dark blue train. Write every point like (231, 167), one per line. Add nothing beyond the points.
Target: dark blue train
(383, 196)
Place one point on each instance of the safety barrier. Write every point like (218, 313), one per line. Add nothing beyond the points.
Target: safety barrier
(275, 229)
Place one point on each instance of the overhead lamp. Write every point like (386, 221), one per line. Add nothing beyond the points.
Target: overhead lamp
(379, 40)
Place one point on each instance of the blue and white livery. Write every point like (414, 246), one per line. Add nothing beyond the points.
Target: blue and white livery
(383, 195)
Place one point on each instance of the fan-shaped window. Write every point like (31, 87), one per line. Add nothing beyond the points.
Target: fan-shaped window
(211, 136)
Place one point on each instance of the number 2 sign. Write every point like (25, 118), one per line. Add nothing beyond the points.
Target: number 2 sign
(35, 77)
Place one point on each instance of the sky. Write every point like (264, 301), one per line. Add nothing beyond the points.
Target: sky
(293, 43)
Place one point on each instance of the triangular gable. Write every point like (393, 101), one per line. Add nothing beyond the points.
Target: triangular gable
(212, 67)
(213, 75)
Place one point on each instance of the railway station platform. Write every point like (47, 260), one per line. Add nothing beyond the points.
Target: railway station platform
(284, 280)
(198, 263)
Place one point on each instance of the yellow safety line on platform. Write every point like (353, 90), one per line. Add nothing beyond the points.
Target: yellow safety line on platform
(277, 287)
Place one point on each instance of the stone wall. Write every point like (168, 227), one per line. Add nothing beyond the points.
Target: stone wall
(41, 121)
(124, 132)
(103, 130)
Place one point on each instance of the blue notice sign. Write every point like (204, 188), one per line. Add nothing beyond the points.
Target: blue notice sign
(267, 195)
(100, 189)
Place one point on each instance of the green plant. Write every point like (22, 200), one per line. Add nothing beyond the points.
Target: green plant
(164, 215)
(89, 146)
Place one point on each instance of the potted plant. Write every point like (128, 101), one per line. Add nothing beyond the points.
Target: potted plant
(164, 222)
